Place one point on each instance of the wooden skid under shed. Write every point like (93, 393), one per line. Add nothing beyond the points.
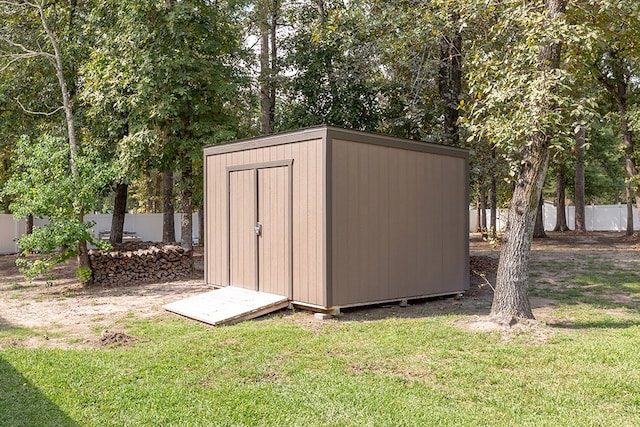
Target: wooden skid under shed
(227, 305)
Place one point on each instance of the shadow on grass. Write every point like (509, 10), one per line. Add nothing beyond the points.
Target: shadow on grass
(23, 404)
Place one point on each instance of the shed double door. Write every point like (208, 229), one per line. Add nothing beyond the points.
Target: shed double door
(259, 229)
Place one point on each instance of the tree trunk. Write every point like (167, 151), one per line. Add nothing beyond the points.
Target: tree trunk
(478, 216)
(629, 192)
(561, 208)
(450, 79)
(82, 250)
(273, 72)
(580, 222)
(187, 208)
(83, 254)
(483, 214)
(158, 189)
(322, 13)
(268, 64)
(168, 225)
(265, 72)
(119, 212)
(29, 224)
(493, 221)
(538, 227)
(510, 300)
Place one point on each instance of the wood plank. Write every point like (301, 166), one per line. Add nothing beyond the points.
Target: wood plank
(228, 305)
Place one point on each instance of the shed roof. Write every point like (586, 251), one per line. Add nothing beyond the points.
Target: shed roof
(332, 133)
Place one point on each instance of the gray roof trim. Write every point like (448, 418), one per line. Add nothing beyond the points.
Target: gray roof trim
(331, 133)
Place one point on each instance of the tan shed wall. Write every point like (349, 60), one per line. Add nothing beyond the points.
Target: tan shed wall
(308, 221)
(398, 223)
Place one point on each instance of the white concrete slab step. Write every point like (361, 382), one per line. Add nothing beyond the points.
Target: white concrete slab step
(227, 305)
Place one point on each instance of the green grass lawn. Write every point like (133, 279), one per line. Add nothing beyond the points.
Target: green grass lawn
(279, 371)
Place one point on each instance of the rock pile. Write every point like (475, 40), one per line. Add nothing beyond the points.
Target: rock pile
(140, 262)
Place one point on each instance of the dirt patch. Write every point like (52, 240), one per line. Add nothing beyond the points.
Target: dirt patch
(59, 312)
(535, 331)
(108, 338)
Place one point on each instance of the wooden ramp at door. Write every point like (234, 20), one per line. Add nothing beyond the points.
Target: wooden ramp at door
(227, 305)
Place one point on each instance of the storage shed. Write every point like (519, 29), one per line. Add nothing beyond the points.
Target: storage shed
(332, 218)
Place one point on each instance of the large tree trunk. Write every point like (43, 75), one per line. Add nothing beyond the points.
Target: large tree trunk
(538, 227)
(561, 208)
(187, 208)
(510, 300)
(168, 225)
(119, 212)
(580, 217)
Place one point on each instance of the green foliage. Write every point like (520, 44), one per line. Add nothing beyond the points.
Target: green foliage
(45, 187)
(333, 80)
(84, 274)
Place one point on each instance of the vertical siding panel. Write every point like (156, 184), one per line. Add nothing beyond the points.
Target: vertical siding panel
(243, 250)
(298, 244)
(385, 224)
(305, 224)
(273, 260)
(377, 282)
(439, 222)
(453, 205)
(351, 287)
(363, 218)
(216, 226)
(216, 220)
(415, 195)
(339, 216)
(395, 223)
(211, 198)
(320, 210)
(300, 258)
(304, 213)
(424, 221)
(314, 164)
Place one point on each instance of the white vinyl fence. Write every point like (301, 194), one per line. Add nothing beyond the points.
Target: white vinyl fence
(148, 227)
(597, 217)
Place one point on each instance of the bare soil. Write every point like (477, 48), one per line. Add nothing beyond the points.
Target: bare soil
(60, 312)
(68, 314)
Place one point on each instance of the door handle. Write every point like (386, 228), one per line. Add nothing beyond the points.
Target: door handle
(257, 229)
